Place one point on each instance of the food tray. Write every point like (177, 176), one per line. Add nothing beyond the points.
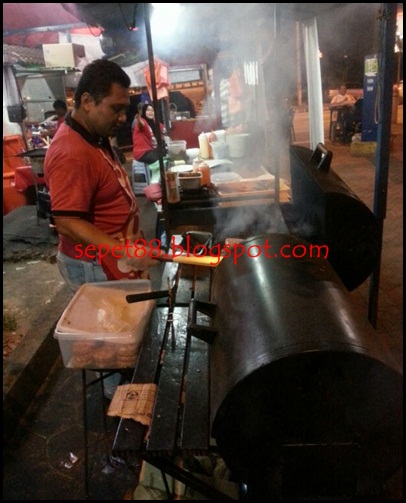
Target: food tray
(100, 329)
(256, 190)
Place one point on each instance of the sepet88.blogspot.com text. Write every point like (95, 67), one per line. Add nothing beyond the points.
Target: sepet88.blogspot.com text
(140, 248)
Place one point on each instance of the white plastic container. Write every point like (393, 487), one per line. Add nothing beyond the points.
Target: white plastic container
(220, 134)
(100, 329)
(191, 154)
(177, 150)
(229, 176)
(220, 149)
(238, 145)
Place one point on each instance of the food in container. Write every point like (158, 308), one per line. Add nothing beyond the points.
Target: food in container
(246, 185)
(99, 329)
(228, 176)
(177, 150)
(190, 181)
(184, 168)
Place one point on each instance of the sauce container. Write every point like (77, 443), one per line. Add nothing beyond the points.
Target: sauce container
(204, 169)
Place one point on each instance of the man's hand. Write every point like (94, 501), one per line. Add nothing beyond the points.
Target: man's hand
(138, 259)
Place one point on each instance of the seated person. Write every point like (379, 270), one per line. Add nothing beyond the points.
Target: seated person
(145, 145)
(51, 124)
(61, 110)
(346, 102)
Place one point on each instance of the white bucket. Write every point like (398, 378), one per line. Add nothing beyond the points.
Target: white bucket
(238, 145)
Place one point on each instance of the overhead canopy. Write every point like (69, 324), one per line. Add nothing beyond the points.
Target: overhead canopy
(33, 24)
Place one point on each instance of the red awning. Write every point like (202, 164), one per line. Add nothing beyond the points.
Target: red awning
(33, 24)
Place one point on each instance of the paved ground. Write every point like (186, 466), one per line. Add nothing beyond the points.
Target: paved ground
(35, 456)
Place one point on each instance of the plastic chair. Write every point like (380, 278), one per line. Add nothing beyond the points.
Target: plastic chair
(336, 130)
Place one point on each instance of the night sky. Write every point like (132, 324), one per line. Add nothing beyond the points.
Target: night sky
(351, 30)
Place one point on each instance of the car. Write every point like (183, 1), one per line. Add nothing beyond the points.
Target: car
(354, 88)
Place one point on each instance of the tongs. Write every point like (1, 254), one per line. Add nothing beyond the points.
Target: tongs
(171, 294)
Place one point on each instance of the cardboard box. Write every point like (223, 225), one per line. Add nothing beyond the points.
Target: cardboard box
(360, 148)
(63, 55)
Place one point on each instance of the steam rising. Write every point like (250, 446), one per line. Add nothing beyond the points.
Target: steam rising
(251, 52)
(262, 45)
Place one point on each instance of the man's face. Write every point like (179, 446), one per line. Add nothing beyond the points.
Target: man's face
(104, 118)
(343, 90)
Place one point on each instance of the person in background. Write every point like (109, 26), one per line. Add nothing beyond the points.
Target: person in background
(342, 98)
(145, 145)
(94, 209)
(61, 110)
(144, 96)
(347, 102)
(50, 127)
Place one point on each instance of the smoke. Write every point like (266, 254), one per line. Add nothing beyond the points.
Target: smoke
(254, 53)
(245, 222)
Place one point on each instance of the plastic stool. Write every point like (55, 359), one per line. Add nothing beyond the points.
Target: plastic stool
(155, 173)
(140, 176)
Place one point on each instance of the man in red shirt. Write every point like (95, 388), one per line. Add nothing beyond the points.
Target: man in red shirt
(93, 206)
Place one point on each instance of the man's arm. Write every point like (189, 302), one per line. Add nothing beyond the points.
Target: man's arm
(85, 233)
(350, 99)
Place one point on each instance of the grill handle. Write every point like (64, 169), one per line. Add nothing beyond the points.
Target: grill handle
(323, 157)
(141, 297)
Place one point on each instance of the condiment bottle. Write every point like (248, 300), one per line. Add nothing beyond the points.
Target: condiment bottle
(205, 171)
(196, 163)
(172, 187)
(204, 146)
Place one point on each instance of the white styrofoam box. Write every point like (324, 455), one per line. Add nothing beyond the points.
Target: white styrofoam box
(63, 55)
(100, 329)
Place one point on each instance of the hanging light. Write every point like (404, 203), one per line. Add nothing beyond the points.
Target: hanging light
(165, 18)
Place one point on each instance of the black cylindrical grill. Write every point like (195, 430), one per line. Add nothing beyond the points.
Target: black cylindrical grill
(294, 366)
(326, 211)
